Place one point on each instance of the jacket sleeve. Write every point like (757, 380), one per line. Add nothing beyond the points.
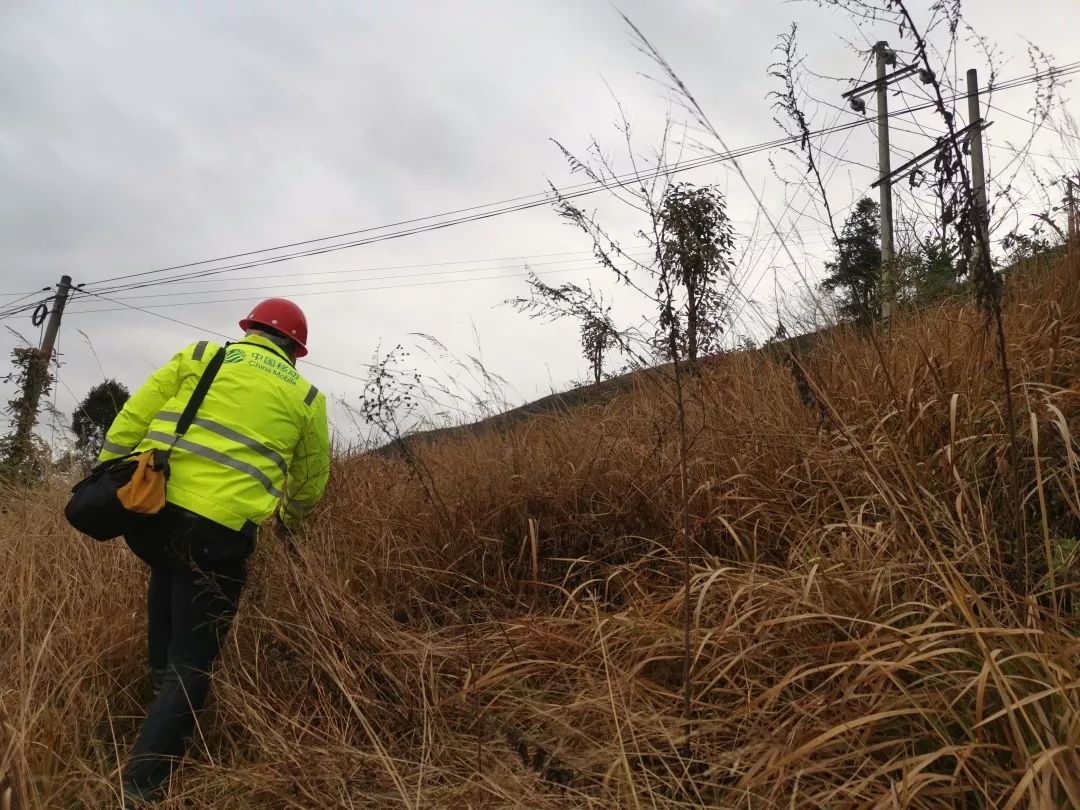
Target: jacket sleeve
(131, 424)
(310, 468)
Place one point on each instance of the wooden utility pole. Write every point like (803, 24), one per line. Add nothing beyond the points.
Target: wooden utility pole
(885, 58)
(978, 167)
(38, 370)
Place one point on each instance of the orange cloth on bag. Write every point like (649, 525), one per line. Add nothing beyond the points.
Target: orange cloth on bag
(145, 492)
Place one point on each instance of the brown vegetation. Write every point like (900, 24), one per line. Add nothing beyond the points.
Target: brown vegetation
(854, 642)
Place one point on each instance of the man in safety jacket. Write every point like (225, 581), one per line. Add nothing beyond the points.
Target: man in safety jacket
(258, 445)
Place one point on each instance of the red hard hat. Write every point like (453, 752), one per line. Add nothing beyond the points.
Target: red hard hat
(283, 316)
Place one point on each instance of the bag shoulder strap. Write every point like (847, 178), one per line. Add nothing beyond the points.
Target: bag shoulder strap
(199, 394)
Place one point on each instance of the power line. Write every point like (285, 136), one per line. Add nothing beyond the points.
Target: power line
(19, 296)
(690, 165)
(380, 268)
(906, 154)
(286, 289)
(522, 260)
(339, 291)
(510, 205)
(709, 160)
(396, 235)
(16, 310)
(578, 190)
(321, 292)
(1043, 125)
(262, 277)
(296, 289)
(583, 264)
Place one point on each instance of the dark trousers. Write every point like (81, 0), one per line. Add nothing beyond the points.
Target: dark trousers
(197, 571)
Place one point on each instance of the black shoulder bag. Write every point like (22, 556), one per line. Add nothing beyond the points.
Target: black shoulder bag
(119, 492)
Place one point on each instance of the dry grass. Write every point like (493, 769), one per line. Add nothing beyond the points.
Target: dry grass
(853, 646)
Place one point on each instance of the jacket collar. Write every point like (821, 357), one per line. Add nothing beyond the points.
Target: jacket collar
(260, 341)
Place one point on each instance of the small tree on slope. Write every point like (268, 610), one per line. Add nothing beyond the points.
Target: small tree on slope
(95, 414)
(696, 245)
(854, 276)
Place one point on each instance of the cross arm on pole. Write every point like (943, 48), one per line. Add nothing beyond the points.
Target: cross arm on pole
(922, 159)
(869, 87)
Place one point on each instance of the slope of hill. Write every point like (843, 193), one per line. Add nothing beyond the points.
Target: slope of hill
(595, 393)
(502, 624)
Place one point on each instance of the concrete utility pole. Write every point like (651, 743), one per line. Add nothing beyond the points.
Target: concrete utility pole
(63, 290)
(38, 371)
(1071, 188)
(885, 58)
(978, 170)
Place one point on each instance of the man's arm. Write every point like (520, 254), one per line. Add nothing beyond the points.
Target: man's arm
(310, 468)
(130, 426)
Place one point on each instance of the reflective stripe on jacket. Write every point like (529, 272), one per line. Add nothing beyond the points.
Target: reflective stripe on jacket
(260, 436)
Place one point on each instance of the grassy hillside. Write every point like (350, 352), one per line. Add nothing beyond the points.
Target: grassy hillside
(503, 627)
(595, 394)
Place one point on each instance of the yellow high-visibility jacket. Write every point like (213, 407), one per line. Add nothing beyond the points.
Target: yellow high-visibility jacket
(259, 438)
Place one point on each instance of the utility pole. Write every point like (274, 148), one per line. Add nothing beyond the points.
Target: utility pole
(38, 370)
(884, 59)
(1071, 187)
(978, 170)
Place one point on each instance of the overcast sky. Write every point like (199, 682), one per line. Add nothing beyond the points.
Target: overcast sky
(142, 136)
